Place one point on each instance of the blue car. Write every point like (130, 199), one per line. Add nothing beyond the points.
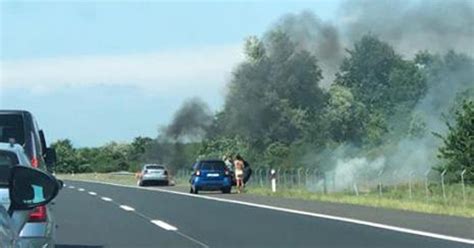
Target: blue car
(210, 175)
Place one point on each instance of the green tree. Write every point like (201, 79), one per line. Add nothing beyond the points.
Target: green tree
(66, 156)
(458, 149)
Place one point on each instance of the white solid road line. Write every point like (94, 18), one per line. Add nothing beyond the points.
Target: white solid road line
(92, 193)
(106, 199)
(164, 225)
(80, 189)
(127, 208)
(324, 216)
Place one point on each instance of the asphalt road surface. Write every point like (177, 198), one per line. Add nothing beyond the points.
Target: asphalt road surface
(98, 215)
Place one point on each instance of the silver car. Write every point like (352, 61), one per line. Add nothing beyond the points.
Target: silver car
(28, 188)
(39, 229)
(153, 174)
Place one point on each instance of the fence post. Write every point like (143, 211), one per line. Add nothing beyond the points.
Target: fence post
(356, 189)
(442, 184)
(463, 187)
(299, 177)
(410, 193)
(395, 176)
(306, 176)
(427, 190)
(380, 182)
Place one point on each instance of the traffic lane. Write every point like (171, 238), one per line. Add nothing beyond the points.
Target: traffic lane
(222, 224)
(448, 225)
(85, 220)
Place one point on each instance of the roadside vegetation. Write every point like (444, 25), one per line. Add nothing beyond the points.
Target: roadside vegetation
(372, 112)
(392, 197)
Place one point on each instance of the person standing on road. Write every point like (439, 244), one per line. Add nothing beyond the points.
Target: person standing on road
(239, 172)
(228, 161)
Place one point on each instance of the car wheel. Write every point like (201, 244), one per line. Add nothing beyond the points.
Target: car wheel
(226, 190)
(191, 190)
(141, 184)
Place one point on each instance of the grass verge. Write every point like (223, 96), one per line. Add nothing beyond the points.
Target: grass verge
(391, 198)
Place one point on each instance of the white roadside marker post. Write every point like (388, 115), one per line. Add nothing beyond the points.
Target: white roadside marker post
(273, 180)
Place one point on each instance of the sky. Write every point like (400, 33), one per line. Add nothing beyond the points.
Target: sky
(102, 71)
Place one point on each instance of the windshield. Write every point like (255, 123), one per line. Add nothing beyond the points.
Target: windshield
(214, 165)
(154, 167)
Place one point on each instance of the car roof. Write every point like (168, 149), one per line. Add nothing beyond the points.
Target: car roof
(18, 150)
(14, 111)
(211, 160)
(8, 147)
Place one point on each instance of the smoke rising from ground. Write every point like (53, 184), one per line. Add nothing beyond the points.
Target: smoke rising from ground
(190, 122)
(410, 27)
(310, 33)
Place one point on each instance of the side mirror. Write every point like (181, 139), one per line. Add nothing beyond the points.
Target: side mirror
(50, 157)
(61, 183)
(30, 188)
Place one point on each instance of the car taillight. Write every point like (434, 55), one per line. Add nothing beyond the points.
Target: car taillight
(198, 173)
(38, 214)
(145, 171)
(34, 162)
(166, 173)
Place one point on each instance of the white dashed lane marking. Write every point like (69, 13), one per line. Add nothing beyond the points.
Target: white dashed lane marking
(80, 189)
(127, 208)
(164, 225)
(106, 199)
(71, 187)
(92, 193)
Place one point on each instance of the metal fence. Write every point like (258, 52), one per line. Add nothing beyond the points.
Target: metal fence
(429, 185)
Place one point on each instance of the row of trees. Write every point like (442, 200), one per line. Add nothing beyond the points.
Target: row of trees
(276, 112)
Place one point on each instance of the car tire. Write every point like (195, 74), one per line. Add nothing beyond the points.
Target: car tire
(141, 184)
(191, 191)
(226, 190)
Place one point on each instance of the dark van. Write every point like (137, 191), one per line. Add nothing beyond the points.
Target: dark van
(22, 127)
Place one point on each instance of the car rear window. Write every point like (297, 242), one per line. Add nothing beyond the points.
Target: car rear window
(7, 160)
(11, 126)
(155, 167)
(212, 165)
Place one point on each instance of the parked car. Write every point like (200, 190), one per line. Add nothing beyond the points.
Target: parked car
(18, 126)
(210, 175)
(153, 174)
(28, 188)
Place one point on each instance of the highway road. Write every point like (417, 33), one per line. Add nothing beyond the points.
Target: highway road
(98, 215)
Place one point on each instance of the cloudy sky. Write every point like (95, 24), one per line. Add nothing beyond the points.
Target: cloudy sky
(97, 71)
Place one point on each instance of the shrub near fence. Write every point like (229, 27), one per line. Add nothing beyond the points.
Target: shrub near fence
(428, 187)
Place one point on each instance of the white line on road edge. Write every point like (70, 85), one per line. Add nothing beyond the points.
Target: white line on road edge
(106, 199)
(92, 193)
(127, 208)
(324, 216)
(164, 225)
(80, 189)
